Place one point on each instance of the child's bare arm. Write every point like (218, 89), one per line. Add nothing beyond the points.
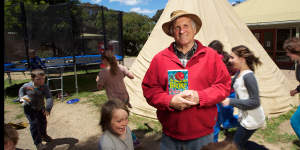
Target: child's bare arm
(127, 72)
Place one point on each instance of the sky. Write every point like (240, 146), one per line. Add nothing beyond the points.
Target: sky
(144, 7)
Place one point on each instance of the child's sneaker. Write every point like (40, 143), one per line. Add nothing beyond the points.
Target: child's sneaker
(40, 146)
(46, 138)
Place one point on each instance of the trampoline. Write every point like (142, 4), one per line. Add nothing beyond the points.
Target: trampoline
(74, 39)
(58, 65)
(68, 61)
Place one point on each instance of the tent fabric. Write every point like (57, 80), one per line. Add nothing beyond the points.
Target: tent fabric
(220, 22)
(263, 11)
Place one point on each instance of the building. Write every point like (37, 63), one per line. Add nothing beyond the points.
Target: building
(272, 22)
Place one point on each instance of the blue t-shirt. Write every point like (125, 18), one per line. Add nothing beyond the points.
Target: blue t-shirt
(36, 63)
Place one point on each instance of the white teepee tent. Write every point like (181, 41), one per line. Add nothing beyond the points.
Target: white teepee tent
(219, 22)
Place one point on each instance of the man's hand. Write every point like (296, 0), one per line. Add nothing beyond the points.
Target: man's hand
(46, 113)
(179, 102)
(97, 78)
(293, 92)
(226, 102)
(191, 95)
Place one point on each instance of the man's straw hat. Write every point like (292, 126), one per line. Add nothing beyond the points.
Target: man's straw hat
(179, 13)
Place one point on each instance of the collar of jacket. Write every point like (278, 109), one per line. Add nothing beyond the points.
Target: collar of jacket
(171, 54)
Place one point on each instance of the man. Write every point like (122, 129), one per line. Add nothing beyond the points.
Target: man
(187, 118)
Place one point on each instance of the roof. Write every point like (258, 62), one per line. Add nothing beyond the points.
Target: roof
(269, 11)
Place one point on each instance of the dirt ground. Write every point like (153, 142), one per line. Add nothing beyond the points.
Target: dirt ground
(75, 126)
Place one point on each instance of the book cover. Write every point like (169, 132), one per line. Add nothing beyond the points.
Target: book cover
(177, 81)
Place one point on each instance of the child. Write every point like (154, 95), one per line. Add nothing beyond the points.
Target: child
(111, 78)
(224, 145)
(218, 46)
(33, 94)
(225, 114)
(35, 61)
(11, 137)
(114, 121)
(251, 114)
(292, 48)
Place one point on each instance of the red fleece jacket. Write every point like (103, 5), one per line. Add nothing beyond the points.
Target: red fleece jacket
(207, 74)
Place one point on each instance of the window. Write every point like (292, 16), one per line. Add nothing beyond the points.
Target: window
(282, 35)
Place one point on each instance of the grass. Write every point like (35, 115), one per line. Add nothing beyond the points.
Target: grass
(9, 100)
(97, 100)
(83, 72)
(85, 82)
(86, 85)
(80, 95)
(19, 116)
(140, 121)
(7, 84)
(271, 133)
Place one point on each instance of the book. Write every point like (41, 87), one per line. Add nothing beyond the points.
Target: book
(177, 81)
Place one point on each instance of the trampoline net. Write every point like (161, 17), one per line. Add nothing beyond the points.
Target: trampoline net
(57, 30)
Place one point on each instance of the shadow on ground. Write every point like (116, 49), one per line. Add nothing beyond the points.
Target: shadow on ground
(250, 145)
(60, 144)
(147, 142)
(254, 146)
(13, 90)
(73, 144)
(90, 144)
(148, 139)
(297, 143)
(70, 142)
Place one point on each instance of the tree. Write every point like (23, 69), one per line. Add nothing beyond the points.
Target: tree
(53, 21)
(60, 23)
(136, 28)
(157, 15)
